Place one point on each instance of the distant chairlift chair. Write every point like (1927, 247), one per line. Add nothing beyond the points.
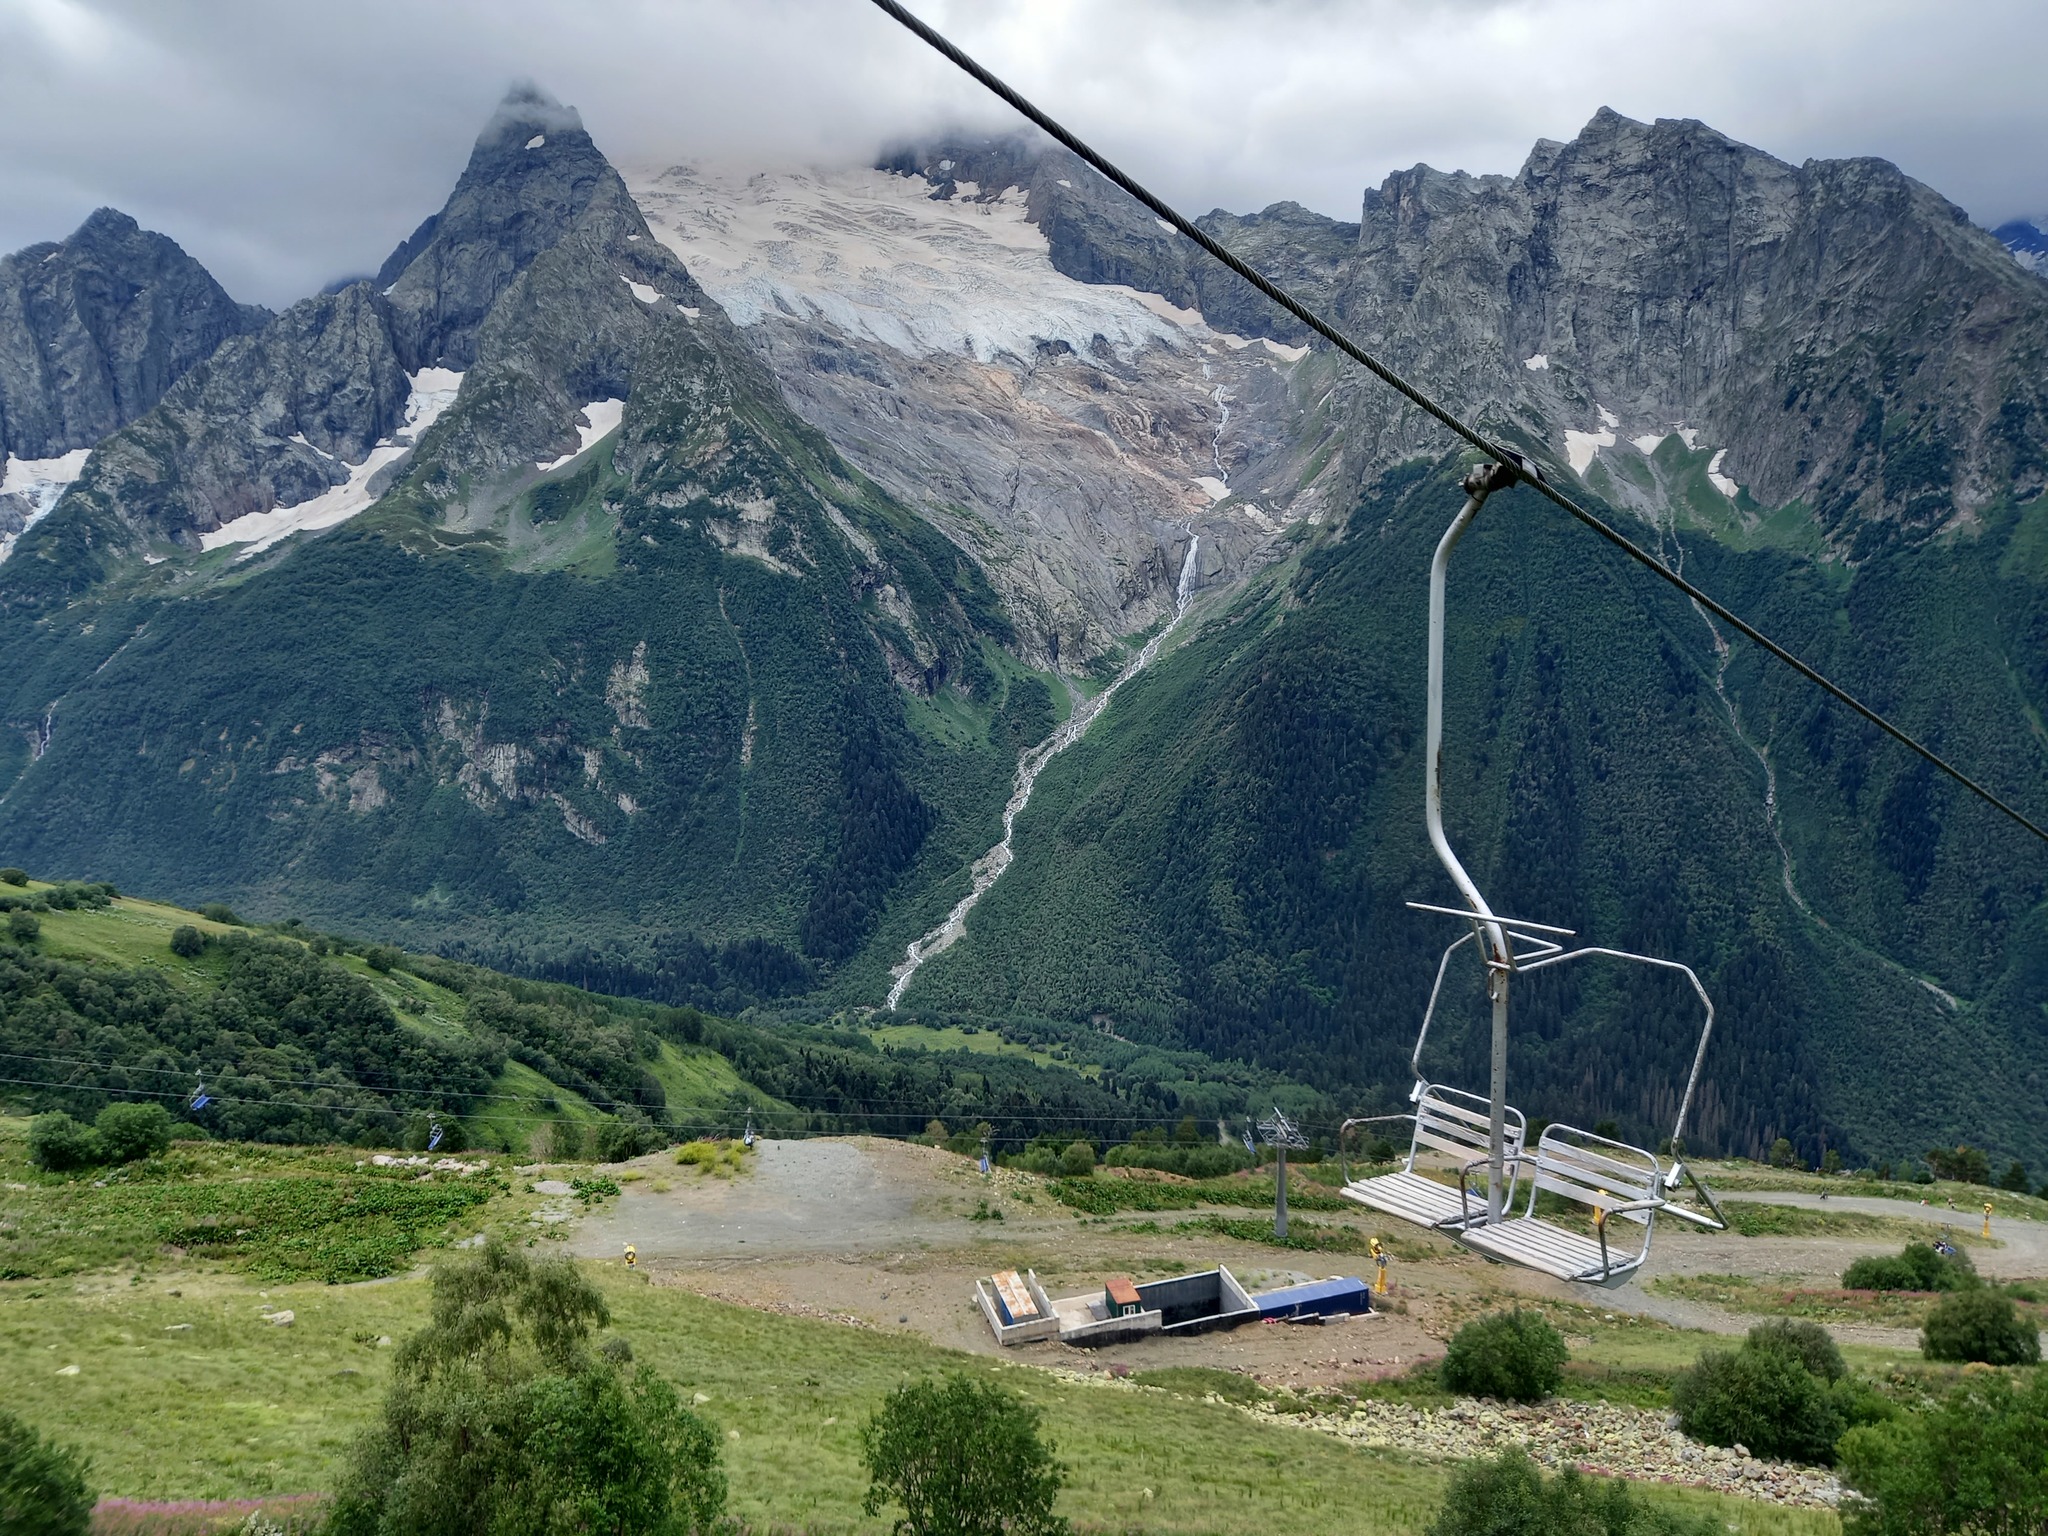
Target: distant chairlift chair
(1612, 1178)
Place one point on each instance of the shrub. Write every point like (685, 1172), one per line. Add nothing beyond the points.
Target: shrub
(963, 1458)
(220, 912)
(1981, 1325)
(622, 1137)
(1515, 1356)
(13, 876)
(42, 1484)
(384, 957)
(187, 941)
(1970, 1463)
(1808, 1343)
(1077, 1160)
(1916, 1268)
(58, 1143)
(1784, 1393)
(130, 1132)
(1510, 1496)
(501, 1418)
(22, 927)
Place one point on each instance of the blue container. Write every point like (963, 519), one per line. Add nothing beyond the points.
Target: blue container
(1319, 1298)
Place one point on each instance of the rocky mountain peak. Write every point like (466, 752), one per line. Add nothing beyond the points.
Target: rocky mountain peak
(530, 178)
(94, 329)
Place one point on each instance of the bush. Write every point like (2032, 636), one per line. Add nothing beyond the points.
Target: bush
(57, 1143)
(1917, 1268)
(187, 941)
(1510, 1496)
(1808, 1343)
(13, 876)
(1980, 1325)
(130, 1132)
(22, 927)
(500, 1418)
(220, 912)
(1971, 1463)
(1078, 1160)
(1785, 1393)
(42, 1484)
(1515, 1356)
(384, 957)
(963, 1458)
(623, 1137)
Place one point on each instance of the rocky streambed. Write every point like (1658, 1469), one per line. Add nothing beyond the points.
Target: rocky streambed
(1610, 1439)
(1604, 1439)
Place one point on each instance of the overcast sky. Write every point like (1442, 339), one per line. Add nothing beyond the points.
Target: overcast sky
(286, 143)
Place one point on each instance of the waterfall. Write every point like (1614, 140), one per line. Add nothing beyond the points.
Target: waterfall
(990, 866)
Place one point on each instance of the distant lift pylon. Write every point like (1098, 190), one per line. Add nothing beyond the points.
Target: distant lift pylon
(1612, 1178)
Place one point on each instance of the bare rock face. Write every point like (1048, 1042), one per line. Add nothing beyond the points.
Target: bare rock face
(272, 419)
(1839, 329)
(95, 328)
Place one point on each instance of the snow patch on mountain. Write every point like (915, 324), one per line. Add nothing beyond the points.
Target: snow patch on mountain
(598, 421)
(29, 488)
(433, 391)
(875, 256)
(1722, 483)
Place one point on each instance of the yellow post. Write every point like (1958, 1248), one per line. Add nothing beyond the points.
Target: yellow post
(1987, 1218)
(1379, 1257)
(632, 1257)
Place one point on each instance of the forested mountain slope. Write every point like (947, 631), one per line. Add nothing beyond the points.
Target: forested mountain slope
(1229, 854)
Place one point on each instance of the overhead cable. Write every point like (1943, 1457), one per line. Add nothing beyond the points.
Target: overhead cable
(1515, 463)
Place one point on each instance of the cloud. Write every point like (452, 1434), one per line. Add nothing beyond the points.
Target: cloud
(287, 142)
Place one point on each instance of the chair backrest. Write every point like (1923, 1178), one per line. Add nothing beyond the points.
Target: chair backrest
(1459, 1123)
(1595, 1170)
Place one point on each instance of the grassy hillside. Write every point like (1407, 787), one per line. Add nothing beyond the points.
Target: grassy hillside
(303, 1037)
(1228, 853)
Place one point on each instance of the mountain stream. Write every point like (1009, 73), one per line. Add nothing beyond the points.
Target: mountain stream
(990, 866)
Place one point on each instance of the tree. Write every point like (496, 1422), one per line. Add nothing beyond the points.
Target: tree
(1515, 1356)
(1963, 1164)
(130, 1132)
(1971, 1463)
(963, 1458)
(1981, 1325)
(187, 942)
(2016, 1179)
(57, 1143)
(42, 1484)
(1510, 1496)
(501, 1419)
(1783, 1155)
(1078, 1160)
(23, 927)
(13, 876)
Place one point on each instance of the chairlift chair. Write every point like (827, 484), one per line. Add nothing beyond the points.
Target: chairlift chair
(1445, 1120)
(1612, 1178)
